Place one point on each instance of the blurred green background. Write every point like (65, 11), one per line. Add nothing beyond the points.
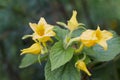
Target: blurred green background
(15, 16)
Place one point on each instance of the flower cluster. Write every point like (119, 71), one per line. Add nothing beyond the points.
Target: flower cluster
(42, 33)
(88, 38)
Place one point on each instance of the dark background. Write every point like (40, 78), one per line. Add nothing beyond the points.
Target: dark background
(15, 16)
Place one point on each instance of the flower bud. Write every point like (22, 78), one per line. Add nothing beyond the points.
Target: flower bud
(82, 66)
(34, 49)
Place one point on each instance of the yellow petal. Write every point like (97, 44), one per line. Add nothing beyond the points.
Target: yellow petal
(48, 28)
(50, 33)
(40, 30)
(73, 18)
(88, 38)
(44, 39)
(36, 36)
(33, 26)
(73, 23)
(42, 21)
(82, 66)
(103, 43)
(103, 36)
(98, 33)
(106, 35)
(34, 49)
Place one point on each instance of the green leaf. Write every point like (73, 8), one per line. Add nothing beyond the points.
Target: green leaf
(60, 33)
(99, 54)
(110, 71)
(87, 60)
(77, 32)
(59, 56)
(28, 60)
(65, 72)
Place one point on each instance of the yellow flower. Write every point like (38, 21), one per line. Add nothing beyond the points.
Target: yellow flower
(73, 23)
(82, 66)
(34, 49)
(42, 30)
(91, 37)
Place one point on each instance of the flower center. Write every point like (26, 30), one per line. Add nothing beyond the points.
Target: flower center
(41, 30)
(98, 34)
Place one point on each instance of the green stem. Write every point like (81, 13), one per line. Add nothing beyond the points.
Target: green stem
(79, 50)
(44, 49)
(40, 59)
(67, 39)
(83, 57)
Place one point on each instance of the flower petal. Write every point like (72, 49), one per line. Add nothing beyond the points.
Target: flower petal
(106, 35)
(98, 33)
(103, 36)
(33, 26)
(48, 28)
(42, 21)
(88, 38)
(50, 33)
(44, 39)
(103, 43)
(73, 23)
(34, 49)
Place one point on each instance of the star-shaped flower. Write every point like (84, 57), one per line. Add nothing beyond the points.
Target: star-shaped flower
(91, 37)
(42, 30)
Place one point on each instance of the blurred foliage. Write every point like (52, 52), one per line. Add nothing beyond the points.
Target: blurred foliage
(16, 14)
